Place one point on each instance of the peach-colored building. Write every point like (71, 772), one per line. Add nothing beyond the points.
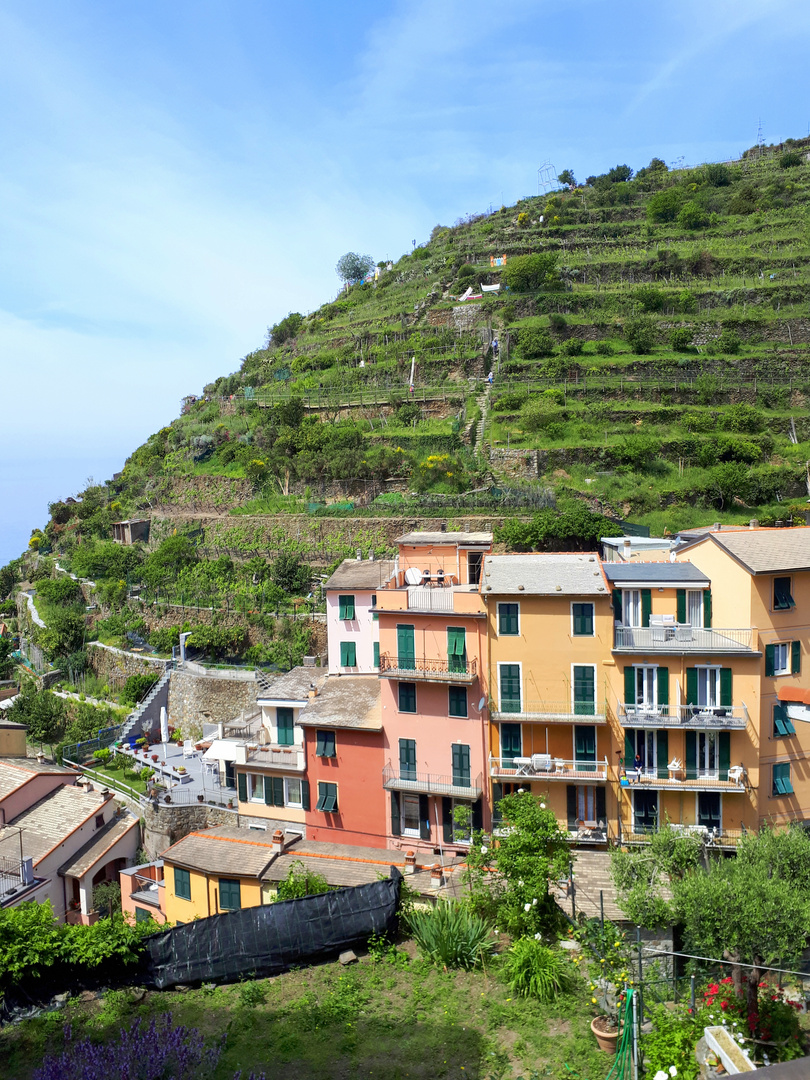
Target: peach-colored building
(143, 893)
(433, 663)
(351, 616)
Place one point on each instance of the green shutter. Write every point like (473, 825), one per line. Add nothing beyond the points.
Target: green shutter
(770, 659)
(278, 791)
(348, 654)
(461, 765)
(629, 748)
(662, 685)
(782, 724)
(585, 746)
(795, 657)
(497, 795)
(726, 697)
(630, 686)
(583, 620)
(584, 690)
(447, 820)
(424, 818)
(407, 759)
(241, 783)
(376, 650)
(662, 753)
(724, 753)
(510, 687)
(406, 650)
(305, 794)
(508, 619)
(601, 804)
(646, 606)
(407, 697)
(346, 612)
(456, 649)
(690, 740)
(691, 686)
(395, 824)
(681, 605)
(268, 791)
(707, 607)
(616, 598)
(510, 741)
(320, 745)
(571, 806)
(457, 701)
(286, 726)
(477, 815)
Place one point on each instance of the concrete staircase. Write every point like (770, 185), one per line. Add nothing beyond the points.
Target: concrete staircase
(591, 876)
(146, 716)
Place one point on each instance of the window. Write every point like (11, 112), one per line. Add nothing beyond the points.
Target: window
(376, 654)
(694, 607)
(410, 815)
(459, 832)
(230, 894)
(508, 620)
(407, 759)
(707, 761)
(406, 651)
(461, 765)
(325, 744)
(142, 915)
(709, 810)
(708, 688)
(348, 654)
(327, 798)
(782, 596)
(294, 792)
(182, 884)
(644, 745)
(646, 686)
(374, 614)
(586, 804)
(474, 560)
(458, 701)
(783, 658)
(346, 606)
(645, 811)
(509, 682)
(99, 821)
(284, 791)
(583, 620)
(585, 746)
(256, 783)
(284, 719)
(631, 607)
(782, 724)
(407, 697)
(781, 780)
(511, 746)
(456, 649)
(584, 679)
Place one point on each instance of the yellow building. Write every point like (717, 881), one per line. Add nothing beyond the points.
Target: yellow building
(550, 627)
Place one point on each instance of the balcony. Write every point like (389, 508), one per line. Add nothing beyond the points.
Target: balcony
(709, 836)
(548, 712)
(420, 669)
(547, 767)
(283, 758)
(703, 780)
(147, 890)
(446, 598)
(680, 639)
(687, 717)
(456, 787)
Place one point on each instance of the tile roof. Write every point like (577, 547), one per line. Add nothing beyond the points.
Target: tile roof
(344, 864)
(51, 821)
(768, 551)
(234, 852)
(294, 686)
(96, 848)
(364, 574)
(345, 701)
(14, 772)
(544, 574)
(654, 573)
(426, 538)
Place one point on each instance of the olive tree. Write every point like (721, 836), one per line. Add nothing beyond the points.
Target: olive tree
(352, 267)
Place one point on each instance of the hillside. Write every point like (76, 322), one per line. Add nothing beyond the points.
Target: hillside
(648, 345)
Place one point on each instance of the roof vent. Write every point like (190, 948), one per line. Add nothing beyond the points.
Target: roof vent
(521, 588)
(307, 661)
(443, 527)
(559, 588)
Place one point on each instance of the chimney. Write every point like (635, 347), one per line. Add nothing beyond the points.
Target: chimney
(308, 661)
(41, 757)
(278, 841)
(627, 548)
(241, 754)
(716, 527)
(436, 878)
(313, 690)
(220, 731)
(358, 554)
(371, 555)
(754, 522)
(443, 527)
(410, 862)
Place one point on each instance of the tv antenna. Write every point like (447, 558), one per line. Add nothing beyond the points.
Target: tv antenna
(546, 178)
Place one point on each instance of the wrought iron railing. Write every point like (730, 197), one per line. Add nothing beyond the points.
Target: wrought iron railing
(682, 638)
(460, 785)
(423, 668)
(696, 716)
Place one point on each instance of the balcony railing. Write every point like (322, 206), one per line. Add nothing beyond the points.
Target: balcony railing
(459, 670)
(703, 717)
(286, 758)
(548, 712)
(710, 836)
(679, 638)
(439, 599)
(666, 779)
(547, 767)
(456, 786)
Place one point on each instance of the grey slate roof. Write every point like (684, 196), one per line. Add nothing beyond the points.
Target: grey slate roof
(420, 538)
(231, 852)
(768, 551)
(14, 772)
(93, 851)
(544, 574)
(361, 574)
(294, 686)
(344, 864)
(52, 820)
(345, 701)
(655, 573)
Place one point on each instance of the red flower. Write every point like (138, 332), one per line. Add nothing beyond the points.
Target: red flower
(724, 1005)
(727, 979)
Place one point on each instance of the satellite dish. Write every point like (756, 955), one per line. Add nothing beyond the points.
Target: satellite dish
(413, 576)
(482, 703)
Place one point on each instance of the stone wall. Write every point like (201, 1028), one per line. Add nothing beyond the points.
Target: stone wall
(195, 699)
(115, 665)
(165, 825)
(516, 464)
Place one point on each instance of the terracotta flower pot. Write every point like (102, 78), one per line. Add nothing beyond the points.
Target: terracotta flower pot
(200, 798)
(605, 1038)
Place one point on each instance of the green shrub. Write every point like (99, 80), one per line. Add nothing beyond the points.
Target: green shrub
(717, 174)
(534, 343)
(534, 970)
(692, 216)
(664, 205)
(515, 399)
(681, 339)
(640, 334)
(451, 935)
(604, 348)
(557, 322)
(301, 881)
(537, 414)
(742, 417)
(572, 347)
(790, 159)
(729, 342)
(707, 387)
(441, 473)
(650, 298)
(136, 688)
(525, 273)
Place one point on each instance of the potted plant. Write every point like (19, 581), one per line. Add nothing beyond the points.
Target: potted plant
(200, 798)
(608, 965)
(154, 757)
(181, 769)
(167, 798)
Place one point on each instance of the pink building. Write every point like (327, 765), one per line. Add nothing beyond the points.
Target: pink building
(143, 892)
(433, 664)
(351, 618)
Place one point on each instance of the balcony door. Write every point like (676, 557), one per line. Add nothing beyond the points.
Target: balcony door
(585, 748)
(645, 811)
(406, 648)
(694, 607)
(709, 813)
(631, 607)
(584, 680)
(646, 684)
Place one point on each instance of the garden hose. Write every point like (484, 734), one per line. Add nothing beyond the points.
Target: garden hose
(622, 1066)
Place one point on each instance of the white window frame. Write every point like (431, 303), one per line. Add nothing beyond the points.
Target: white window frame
(651, 675)
(414, 833)
(631, 607)
(781, 648)
(511, 603)
(583, 800)
(650, 737)
(593, 618)
(522, 698)
(707, 746)
(696, 605)
(287, 800)
(253, 779)
(584, 718)
(709, 704)
(697, 805)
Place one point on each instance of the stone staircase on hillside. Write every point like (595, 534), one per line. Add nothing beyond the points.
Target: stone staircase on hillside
(591, 876)
(146, 716)
(483, 404)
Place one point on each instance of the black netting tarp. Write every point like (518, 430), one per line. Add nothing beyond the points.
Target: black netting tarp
(270, 939)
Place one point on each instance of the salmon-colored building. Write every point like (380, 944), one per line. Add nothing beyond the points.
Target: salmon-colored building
(433, 663)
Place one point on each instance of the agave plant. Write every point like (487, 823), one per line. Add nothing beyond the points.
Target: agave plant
(450, 934)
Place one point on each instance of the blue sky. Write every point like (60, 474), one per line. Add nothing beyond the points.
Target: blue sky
(178, 176)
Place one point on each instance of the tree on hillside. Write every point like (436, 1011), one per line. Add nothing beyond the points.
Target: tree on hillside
(567, 177)
(532, 272)
(352, 267)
